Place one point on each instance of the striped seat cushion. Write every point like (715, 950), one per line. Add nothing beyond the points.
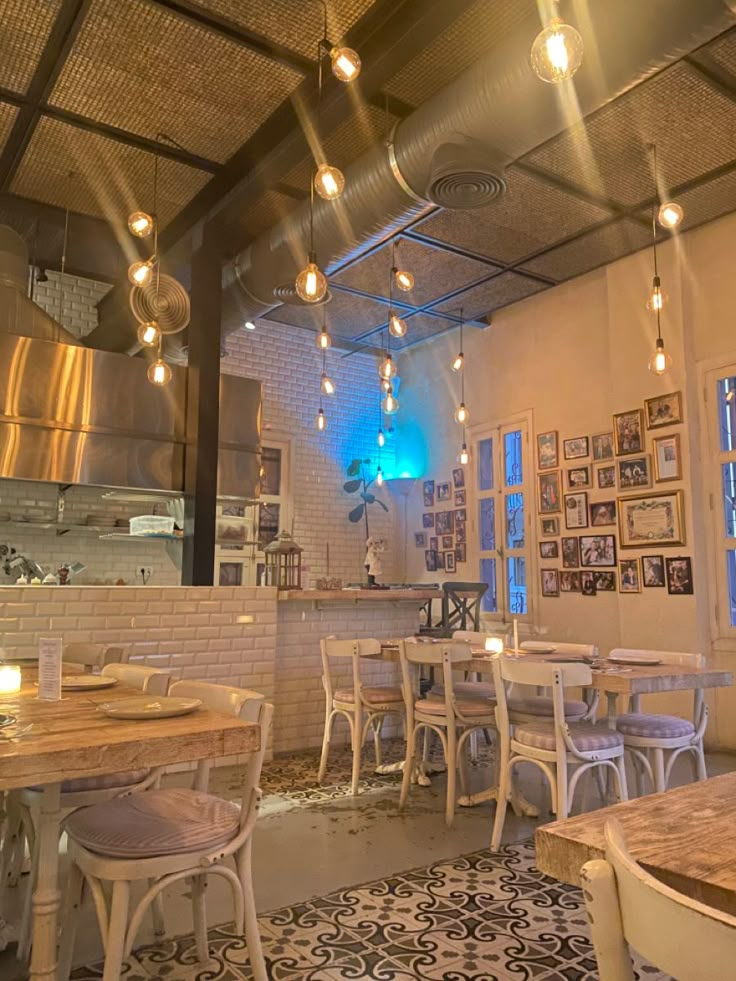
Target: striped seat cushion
(108, 781)
(466, 706)
(173, 821)
(654, 726)
(465, 689)
(541, 705)
(380, 695)
(587, 737)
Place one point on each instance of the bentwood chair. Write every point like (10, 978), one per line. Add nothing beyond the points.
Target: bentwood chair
(525, 706)
(89, 657)
(165, 836)
(655, 742)
(461, 603)
(446, 716)
(365, 707)
(556, 746)
(626, 905)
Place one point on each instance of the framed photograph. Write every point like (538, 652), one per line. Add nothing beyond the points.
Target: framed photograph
(445, 522)
(664, 410)
(550, 527)
(629, 577)
(428, 493)
(460, 498)
(578, 477)
(548, 455)
(602, 446)
(231, 530)
(433, 544)
(667, 458)
(679, 576)
(461, 516)
(651, 520)
(447, 541)
(605, 478)
(570, 553)
(628, 432)
(550, 496)
(430, 560)
(440, 560)
(576, 510)
(602, 513)
(443, 492)
(428, 520)
(570, 582)
(548, 550)
(461, 554)
(230, 573)
(635, 472)
(460, 535)
(450, 561)
(652, 570)
(587, 583)
(458, 477)
(597, 550)
(550, 582)
(420, 539)
(575, 448)
(605, 582)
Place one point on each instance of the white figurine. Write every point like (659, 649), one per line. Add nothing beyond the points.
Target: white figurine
(375, 547)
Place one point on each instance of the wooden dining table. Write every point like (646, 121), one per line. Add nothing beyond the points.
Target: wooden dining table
(71, 738)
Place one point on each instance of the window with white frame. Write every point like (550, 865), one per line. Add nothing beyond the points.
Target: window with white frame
(720, 408)
(503, 515)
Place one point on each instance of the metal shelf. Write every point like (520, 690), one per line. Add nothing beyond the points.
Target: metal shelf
(144, 538)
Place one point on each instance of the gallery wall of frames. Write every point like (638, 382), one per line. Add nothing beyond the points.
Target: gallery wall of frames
(608, 521)
(444, 524)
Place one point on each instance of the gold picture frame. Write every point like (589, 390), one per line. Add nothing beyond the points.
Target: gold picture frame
(548, 450)
(667, 458)
(664, 410)
(628, 432)
(549, 487)
(651, 520)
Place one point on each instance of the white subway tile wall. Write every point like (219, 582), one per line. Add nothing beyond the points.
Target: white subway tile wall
(78, 296)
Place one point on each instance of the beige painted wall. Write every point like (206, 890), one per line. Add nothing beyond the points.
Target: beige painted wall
(571, 357)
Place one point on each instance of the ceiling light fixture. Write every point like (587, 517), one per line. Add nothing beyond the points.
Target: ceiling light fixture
(390, 403)
(320, 422)
(660, 360)
(345, 62)
(379, 476)
(141, 273)
(458, 362)
(396, 326)
(670, 215)
(159, 373)
(403, 279)
(326, 385)
(557, 52)
(463, 457)
(311, 284)
(324, 341)
(148, 334)
(140, 224)
(381, 439)
(387, 368)
(329, 181)
(461, 413)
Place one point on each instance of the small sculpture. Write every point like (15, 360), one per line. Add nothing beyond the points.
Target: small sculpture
(375, 547)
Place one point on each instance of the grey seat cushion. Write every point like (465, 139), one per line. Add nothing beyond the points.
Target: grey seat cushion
(173, 821)
(541, 705)
(587, 737)
(654, 726)
(465, 689)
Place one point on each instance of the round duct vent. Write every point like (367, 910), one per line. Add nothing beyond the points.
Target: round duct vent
(465, 174)
(286, 293)
(166, 302)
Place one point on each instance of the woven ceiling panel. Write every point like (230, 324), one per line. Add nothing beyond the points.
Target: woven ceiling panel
(165, 74)
(7, 118)
(265, 212)
(436, 272)
(483, 27)
(24, 30)
(296, 25)
(487, 297)
(347, 315)
(530, 216)
(723, 51)
(592, 250)
(693, 126)
(111, 179)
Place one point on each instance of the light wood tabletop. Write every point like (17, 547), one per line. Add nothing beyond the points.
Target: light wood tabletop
(686, 837)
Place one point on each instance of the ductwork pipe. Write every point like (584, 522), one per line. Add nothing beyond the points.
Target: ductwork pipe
(452, 150)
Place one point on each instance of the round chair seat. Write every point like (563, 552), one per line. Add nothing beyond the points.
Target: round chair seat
(587, 737)
(541, 705)
(465, 689)
(173, 821)
(378, 695)
(466, 706)
(654, 726)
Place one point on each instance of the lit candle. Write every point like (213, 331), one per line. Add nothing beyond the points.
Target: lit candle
(494, 645)
(9, 679)
(516, 636)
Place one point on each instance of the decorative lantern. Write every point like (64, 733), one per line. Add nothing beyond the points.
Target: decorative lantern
(283, 562)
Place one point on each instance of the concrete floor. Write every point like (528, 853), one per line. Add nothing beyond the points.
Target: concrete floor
(306, 848)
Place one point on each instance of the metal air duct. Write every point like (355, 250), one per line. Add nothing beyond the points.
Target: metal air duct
(451, 151)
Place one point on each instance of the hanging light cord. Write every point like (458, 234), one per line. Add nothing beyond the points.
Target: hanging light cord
(391, 279)
(462, 372)
(63, 258)
(653, 148)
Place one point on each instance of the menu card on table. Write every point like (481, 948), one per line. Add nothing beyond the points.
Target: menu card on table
(49, 668)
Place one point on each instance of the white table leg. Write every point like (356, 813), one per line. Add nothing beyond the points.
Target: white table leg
(612, 698)
(47, 896)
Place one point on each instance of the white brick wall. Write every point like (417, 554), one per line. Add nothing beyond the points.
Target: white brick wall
(79, 298)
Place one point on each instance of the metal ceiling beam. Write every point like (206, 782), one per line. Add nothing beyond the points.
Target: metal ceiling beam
(707, 67)
(61, 38)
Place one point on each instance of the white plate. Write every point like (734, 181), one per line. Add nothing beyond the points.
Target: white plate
(645, 662)
(150, 707)
(537, 650)
(85, 682)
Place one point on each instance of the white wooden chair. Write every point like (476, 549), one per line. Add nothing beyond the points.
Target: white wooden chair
(553, 745)
(89, 657)
(655, 741)
(23, 805)
(444, 716)
(362, 705)
(164, 836)
(525, 706)
(626, 905)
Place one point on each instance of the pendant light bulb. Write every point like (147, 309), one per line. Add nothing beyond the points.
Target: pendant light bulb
(657, 297)
(345, 64)
(385, 385)
(141, 273)
(320, 422)
(396, 326)
(140, 224)
(387, 368)
(381, 440)
(390, 403)
(458, 362)
(324, 341)
(670, 215)
(311, 284)
(148, 334)
(159, 372)
(403, 279)
(327, 385)
(329, 182)
(463, 457)
(557, 52)
(660, 360)
(462, 415)
(379, 477)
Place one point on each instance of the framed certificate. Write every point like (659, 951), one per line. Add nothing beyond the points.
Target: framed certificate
(651, 520)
